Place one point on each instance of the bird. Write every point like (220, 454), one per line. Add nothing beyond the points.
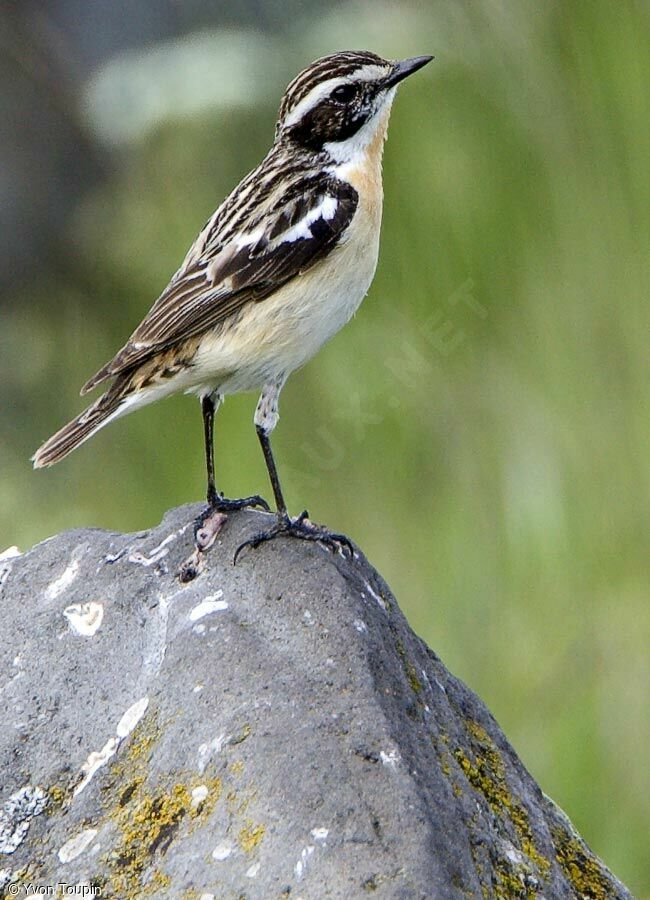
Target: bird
(280, 267)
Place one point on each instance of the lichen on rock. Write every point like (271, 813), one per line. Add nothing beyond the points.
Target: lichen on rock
(270, 730)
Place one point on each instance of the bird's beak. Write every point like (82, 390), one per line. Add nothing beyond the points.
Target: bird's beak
(405, 67)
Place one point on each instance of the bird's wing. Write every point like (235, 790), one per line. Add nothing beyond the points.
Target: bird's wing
(273, 241)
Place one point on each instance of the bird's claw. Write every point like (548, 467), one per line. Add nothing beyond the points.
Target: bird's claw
(209, 522)
(219, 503)
(207, 527)
(299, 527)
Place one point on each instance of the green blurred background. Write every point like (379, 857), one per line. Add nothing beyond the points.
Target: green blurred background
(481, 428)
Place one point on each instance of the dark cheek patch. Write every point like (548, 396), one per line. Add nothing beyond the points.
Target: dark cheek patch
(327, 123)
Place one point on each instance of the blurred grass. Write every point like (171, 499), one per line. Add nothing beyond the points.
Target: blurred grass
(481, 428)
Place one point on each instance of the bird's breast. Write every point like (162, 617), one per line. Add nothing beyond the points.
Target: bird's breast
(310, 309)
(282, 332)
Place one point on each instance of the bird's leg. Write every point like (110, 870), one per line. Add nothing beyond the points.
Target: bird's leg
(217, 503)
(266, 418)
(209, 405)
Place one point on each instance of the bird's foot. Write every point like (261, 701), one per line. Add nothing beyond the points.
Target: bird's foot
(206, 528)
(219, 503)
(208, 524)
(301, 528)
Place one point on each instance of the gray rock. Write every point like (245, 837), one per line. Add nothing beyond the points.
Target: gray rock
(271, 730)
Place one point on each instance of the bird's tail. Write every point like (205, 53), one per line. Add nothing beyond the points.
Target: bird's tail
(113, 403)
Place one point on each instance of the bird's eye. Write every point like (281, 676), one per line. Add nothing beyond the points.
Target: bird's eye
(344, 93)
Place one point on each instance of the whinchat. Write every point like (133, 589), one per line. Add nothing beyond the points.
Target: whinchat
(280, 267)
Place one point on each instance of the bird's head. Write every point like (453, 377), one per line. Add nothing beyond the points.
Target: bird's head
(337, 104)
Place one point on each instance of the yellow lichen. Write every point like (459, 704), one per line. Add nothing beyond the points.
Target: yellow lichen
(57, 796)
(412, 675)
(486, 773)
(146, 818)
(238, 802)
(580, 867)
(157, 882)
(510, 884)
(205, 806)
(143, 740)
(409, 669)
(250, 836)
(145, 822)
(241, 737)
(237, 767)
(446, 761)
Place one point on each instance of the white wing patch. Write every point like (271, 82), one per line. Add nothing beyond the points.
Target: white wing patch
(326, 210)
(248, 239)
(251, 238)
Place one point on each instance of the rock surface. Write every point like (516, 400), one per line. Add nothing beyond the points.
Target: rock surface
(271, 730)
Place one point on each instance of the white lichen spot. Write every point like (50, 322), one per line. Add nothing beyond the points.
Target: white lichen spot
(141, 560)
(199, 629)
(10, 553)
(113, 557)
(77, 845)
(157, 553)
(512, 854)
(199, 793)
(205, 751)
(301, 866)
(222, 851)
(203, 754)
(95, 761)
(16, 815)
(209, 605)
(389, 759)
(85, 618)
(63, 582)
(360, 625)
(197, 688)
(380, 600)
(307, 617)
(131, 717)
(253, 870)
(206, 897)
(320, 834)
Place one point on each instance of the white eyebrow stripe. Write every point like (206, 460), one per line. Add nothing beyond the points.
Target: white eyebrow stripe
(325, 210)
(312, 99)
(369, 72)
